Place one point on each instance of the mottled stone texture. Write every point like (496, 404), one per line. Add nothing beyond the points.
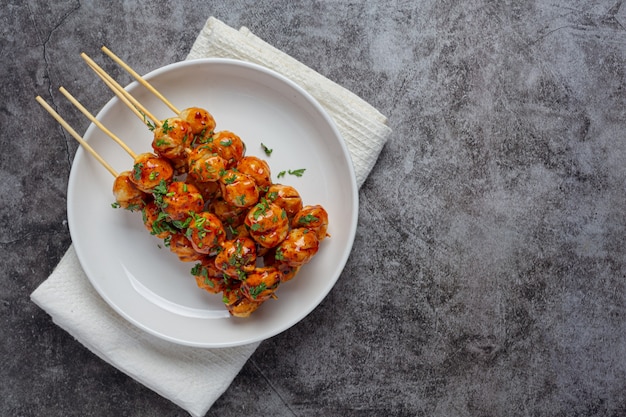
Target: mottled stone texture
(488, 272)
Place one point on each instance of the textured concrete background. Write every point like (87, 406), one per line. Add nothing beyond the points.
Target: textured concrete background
(488, 273)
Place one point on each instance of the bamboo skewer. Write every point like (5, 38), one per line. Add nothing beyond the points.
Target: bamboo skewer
(137, 108)
(75, 135)
(140, 79)
(97, 122)
(123, 98)
(121, 92)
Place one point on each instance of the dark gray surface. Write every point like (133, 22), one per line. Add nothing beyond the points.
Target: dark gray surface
(488, 273)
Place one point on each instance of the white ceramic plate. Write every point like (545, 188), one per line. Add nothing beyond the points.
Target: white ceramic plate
(146, 283)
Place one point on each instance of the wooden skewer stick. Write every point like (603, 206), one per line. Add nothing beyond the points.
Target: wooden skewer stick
(120, 92)
(97, 122)
(123, 98)
(75, 135)
(140, 79)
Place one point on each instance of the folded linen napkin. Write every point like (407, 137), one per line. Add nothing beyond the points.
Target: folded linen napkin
(193, 378)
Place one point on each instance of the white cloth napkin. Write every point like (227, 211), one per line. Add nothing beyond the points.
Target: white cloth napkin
(193, 378)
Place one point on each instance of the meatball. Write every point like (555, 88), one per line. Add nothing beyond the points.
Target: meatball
(258, 169)
(127, 195)
(208, 277)
(181, 199)
(149, 170)
(285, 196)
(239, 189)
(205, 165)
(227, 145)
(181, 246)
(237, 304)
(314, 218)
(156, 221)
(238, 257)
(268, 224)
(231, 216)
(298, 248)
(261, 283)
(206, 233)
(172, 140)
(201, 121)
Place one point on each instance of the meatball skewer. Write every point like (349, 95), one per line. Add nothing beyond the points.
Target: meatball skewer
(260, 236)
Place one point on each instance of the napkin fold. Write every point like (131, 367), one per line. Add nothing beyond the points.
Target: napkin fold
(193, 378)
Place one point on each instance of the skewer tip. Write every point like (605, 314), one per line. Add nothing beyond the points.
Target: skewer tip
(41, 101)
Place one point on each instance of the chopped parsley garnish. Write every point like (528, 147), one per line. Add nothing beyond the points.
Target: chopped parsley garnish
(148, 123)
(230, 180)
(226, 142)
(256, 291)
(182, 224)
(133, 207)
(160, 225)
(115, 205)
(161, 188)
(297, 172)
(260, 209)
(137, 171)
(197, 269)
(199, 220)
(166, 127)
(159, 191)
(205, 139)
(267, 150)
(309, 218)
